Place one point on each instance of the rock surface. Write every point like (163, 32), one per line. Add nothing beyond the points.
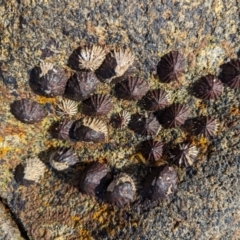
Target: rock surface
(8, 228)
(207, 204)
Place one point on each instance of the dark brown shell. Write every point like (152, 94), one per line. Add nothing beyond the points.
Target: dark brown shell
(184, 154)
(144, 125)
(107, 69)
(92, 178)
(121, 190)
(230, 74)
(27, 111)
(97, 105)
(19, 173)
(50, 84)
(174, 116)
(155, 100)
(88, 57)
(81, 85)
(60, 130)
(208, 87)
(171, 67)
(62, 158)
(151, 150)
(205, 126)
(161, 183)
(30, 171)
(120, 120)
(89, 130)
(115, 65)
(91, 57)
(131, 89)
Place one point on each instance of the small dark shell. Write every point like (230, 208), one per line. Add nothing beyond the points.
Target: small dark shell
(62, 158)
(88, 57)
(184, 154)
(171, 67)
(144, 125)
(205, 126)
(230, 74)
(48, 80)
(89, 130)
(130, 72)
(27, 111)
(60, 130)
(120, 120)
(93, 178)
(19, 173)
(155, 100)
(81, 85)
(131, 89)
(161, 183)
(91, 57)
(207, 87)
(151, 150)
(174, 116)
(30, 171)
(115, 65)
(107, 69)
(97, 105)
(121, 190)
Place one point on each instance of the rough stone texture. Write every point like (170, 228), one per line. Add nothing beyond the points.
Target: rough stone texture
(206, 205)
(8, 227)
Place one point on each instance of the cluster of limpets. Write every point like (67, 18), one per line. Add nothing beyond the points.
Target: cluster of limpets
(94, 65)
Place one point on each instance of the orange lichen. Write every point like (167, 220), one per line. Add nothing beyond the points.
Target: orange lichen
(102, 216)
(75, 218)
(111, 232)
(44, 100)
(202, 107)
(234, 111)
(4, 151)
(202, 143)
(97, 214)
(51, 143)
(12, 130)
(84, 235)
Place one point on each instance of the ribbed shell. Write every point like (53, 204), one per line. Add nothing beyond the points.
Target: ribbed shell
(48, 80)
(131, 89)
(155, 100)
(92, 178)
(115, 64)
(184, 155)
(205, 126)
(144, 125)
(171, 67)
(97, 105)
(151, 150)
(66, 107)
(121, 190)
(161, 183)
(62, 158)
(208, 87)
(30, 171)
(81, 85)
(174, 116)
(230, 74)
(89, 130)
(27, 111)
(61, 130)
(107, 69)
(91, 57)
(120, 120)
